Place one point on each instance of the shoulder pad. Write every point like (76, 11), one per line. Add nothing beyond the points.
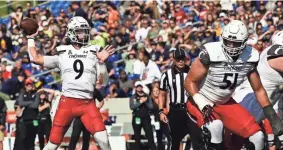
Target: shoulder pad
(61, 49)
(215, 52)
(94, 48)
(275, 51)
(204, 56)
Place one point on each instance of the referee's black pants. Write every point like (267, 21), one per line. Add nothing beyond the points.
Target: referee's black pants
(181, 125)
(78, 127)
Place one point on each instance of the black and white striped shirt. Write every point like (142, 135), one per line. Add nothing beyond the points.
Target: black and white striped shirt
(173, 82)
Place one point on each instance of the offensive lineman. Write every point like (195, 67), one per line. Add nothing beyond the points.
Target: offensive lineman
(270, 70)
(80, 65)
(213, 77)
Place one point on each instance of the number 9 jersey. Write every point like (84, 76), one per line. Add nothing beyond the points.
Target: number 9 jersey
(80, 69)
(224, 73)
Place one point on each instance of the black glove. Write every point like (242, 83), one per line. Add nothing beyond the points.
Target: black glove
(207, 113)
(276, 123)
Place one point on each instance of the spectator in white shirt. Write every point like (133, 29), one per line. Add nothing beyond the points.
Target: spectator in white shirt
(142, 32)
(139, 64)
(150, 72)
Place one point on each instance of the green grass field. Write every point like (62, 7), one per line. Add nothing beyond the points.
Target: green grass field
(15, 3)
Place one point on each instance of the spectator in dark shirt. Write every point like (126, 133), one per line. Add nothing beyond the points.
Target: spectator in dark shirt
(80, 12)
(141, 104)
(28, 99)
(125, 84)
(44, 118)
(13, 86)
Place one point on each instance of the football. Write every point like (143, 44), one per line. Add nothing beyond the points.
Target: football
(29, 26)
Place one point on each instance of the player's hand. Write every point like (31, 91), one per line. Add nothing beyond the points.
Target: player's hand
(207, 114)
(105, 53)
(163, 118)
(33, 35)
(1, 127)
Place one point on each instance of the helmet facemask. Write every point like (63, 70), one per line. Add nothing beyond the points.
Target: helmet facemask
(233, 47)
(80, 36)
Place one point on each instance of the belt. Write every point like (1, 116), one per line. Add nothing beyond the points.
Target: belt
(177, 105)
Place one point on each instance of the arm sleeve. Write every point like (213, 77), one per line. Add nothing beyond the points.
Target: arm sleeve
(134, 103)
(163, 82)
(51, 61)
(22, 102)
(204, 56)
(35, 103)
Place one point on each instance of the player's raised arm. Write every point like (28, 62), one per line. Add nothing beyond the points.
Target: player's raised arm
(35, 57)
(262, 98)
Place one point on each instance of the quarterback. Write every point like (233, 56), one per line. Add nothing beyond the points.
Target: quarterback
(81, 65)
(212, 80)
(270, 70)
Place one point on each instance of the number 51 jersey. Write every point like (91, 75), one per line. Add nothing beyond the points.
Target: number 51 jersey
(79, 69)
(224, 74)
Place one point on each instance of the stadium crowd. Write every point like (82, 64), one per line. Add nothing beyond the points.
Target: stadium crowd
(137, 29)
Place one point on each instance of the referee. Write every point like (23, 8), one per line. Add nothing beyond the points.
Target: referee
(172, 82)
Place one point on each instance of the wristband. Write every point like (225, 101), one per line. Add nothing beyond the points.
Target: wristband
(160, 111)
(31, 42)
(201, 101)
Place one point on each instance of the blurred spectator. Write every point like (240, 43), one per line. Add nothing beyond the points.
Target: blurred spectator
(129, 60)
(13, 86)
(141, 104)
(114, 91)
(139, 64)
(44, 126)
(113, 16)
(154, 31)
(5, 73)
(163, 127)
(165, 31)
(150, 72)
(125, 84)
(142, 32)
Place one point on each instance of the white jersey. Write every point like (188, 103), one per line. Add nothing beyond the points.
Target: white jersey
(269, 77)
(224, 74)
(79, 69)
